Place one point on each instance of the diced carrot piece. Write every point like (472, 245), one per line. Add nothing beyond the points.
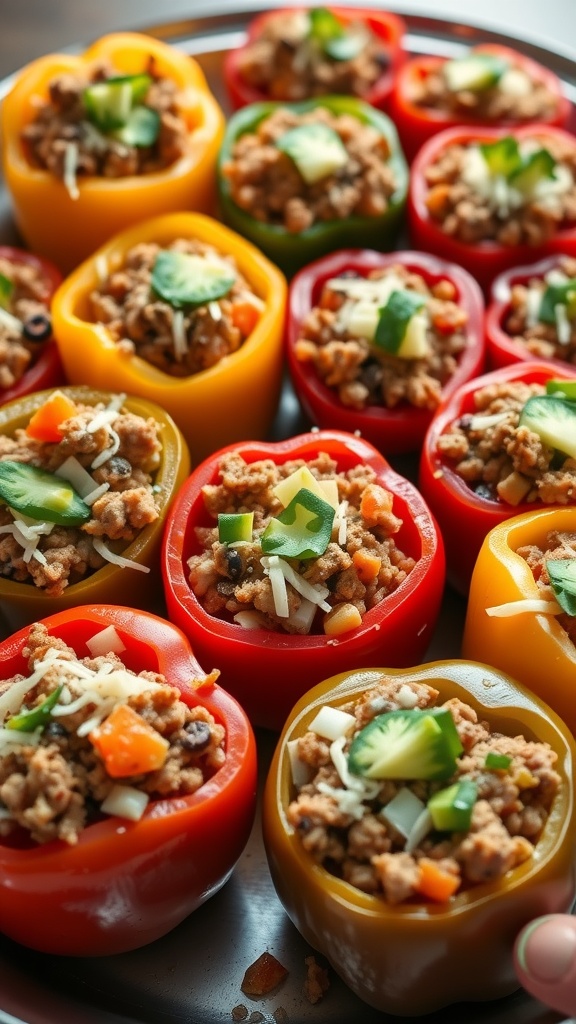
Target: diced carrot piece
(45, 423)
(342, 618)
(127, 744)
(263, 975)
(375, 504)
(367, 565)
(434, 882)
(245, 316)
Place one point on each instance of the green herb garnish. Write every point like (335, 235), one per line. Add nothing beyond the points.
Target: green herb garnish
(35, 718)
(562, 574)
(302, 530)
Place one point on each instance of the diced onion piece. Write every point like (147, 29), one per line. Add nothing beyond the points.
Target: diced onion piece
(125, 802)
(215, 311)
(531, 605)
(105, 642)
(70, 167)
(407, 697)
(481, 422)
(16, 737)
(422, 826)
(73, 471)
(249, 619)
(12, 323)
(302, 617)
(563, 325)
(111, 556)
(299, 769)
(93, 496)
(348, 801)
(331, 723)
(403, 811)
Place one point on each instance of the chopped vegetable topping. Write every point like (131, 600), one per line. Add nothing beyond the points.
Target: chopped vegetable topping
(407, 744)
(302, 530)
(562, 573)
(499, 762)
(186, 279)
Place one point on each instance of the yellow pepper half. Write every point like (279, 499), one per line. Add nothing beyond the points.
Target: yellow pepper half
(528, 645)
(66, 230)
(233, 400)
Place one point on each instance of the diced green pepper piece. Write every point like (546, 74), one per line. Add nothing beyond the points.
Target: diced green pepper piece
(185, 279)
(41, 495)
(534, 168)
(315, 149)
(451, 808)
(395, 317)
(557, 295)
(141, 129)
(554, 420)
(562, 573)
(324, 25)
(35, 718)
(6, 290)
(498, 762)
(108, 104)
(407, 744)
(502, 157)
(302, 530)
(562, 388)
(235, 526)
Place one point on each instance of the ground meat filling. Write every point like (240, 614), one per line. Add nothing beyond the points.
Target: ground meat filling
(54, 780)
(345, 828)
(364, 374)
(266, 182)
(473, 206)
(516, 96)
(180, 342)
(560, 545)
(360, 567)
(127, 450)
(502, 460)
(286, 63)
(61, 137)
(543, 340)
(24, 319)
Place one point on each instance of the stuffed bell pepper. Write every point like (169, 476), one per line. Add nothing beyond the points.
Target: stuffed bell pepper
(376, 342)
(414, 821)
(86, 480)
(303, 179)
(185, 313)
(29, 358)
(97, 142)
(521, 614)
(503, 444)
(532, 314)
(293, 54)
(490, 200)
(285, 561)
(127, 782)
(489, 85)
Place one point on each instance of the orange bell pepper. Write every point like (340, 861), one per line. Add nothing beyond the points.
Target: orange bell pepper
(67, 230)
(531, 646)
(232, 400)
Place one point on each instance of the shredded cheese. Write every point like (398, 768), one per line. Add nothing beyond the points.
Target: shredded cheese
(111, 556)
(533, 605)
(12, 323)
(108, 452)
(312, 591)
(179, 335)
(70, 168)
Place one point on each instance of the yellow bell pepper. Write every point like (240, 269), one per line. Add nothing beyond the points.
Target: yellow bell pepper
(233, 400)
(67, 230)
(529, 645)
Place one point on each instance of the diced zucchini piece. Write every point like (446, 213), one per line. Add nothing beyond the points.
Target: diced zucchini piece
(108, 104)
(562, 573)
(563, 294)
(363, 320)
(141, 129)
(497, 762)
(6, 289)
(476, 72)
(233, 527)
(184, 279)
(554, 420)
(302, 530)
(562, 388)
(316, 150)
(41, 495)
(451, 808)
(393, 332)
(502, 157)
(534, 169)
(407, 744)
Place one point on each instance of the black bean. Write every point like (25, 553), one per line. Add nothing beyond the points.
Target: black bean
(55, 730)
(484, 491)
(119, 466)
(234, 563)
(196, 736)
(38, 327)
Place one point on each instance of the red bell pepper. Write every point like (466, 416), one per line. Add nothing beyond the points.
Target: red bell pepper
(268, 671)
(402, 428)
(45, 371)
(125, 884)
(464, 517)
(388, 27)
(501, 347)
(416, 123)
(485, 259)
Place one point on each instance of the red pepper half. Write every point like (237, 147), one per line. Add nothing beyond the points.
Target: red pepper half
(465, 518)
(484, 260)
(397, 430)
(268, 671)
(417, 123)
(46, 369)
(501, 348)
(125, 883)
(388, 27)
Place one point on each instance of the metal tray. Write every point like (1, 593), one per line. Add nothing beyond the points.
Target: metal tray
(193, 975)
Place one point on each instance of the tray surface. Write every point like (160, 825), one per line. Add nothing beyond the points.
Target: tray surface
(193, 975)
